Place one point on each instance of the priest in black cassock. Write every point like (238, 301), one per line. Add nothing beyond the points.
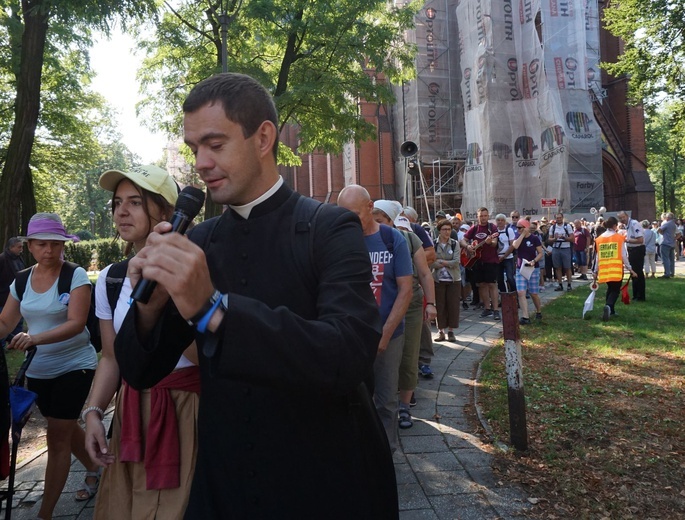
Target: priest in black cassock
(286, 428)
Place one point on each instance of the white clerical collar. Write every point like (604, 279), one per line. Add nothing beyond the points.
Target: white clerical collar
(244, 210)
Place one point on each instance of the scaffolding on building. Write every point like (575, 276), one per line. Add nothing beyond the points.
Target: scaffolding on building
(444, 181)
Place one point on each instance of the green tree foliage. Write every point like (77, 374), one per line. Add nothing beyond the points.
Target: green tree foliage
(44, 59)
(317, 58)
(665, 135)
(653, 32)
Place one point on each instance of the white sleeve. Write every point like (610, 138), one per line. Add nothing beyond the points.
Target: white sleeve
(102, 308)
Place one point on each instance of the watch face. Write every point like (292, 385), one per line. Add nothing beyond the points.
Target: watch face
(224, 301)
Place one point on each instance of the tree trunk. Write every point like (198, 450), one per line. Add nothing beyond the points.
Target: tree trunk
(17, 200)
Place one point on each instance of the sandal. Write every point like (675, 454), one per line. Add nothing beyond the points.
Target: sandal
(87, 491)
(405, 419)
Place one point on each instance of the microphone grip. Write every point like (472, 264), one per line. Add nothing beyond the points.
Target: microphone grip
(144, 288)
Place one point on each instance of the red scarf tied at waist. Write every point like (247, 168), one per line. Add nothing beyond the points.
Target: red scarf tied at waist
(162, 447)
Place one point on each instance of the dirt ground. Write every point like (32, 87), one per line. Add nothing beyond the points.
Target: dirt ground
(32, 437)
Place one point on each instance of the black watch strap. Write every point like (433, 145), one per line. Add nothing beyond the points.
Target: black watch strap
(204, 309)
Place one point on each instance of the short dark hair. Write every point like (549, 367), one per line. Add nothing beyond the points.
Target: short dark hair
(246, 102)
(480, 210)
(611, 222)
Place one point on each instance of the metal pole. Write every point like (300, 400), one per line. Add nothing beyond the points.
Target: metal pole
(512, 351)
(425, 194)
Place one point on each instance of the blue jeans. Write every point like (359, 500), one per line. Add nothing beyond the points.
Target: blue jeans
(506, 278)
(667, 259)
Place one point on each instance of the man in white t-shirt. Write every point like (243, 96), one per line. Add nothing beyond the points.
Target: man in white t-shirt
(561, 238)
(635, 242)
(506, 280)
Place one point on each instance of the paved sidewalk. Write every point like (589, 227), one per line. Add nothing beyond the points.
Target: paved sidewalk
(443, 469)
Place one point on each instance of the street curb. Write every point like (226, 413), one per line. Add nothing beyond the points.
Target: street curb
(479, 411)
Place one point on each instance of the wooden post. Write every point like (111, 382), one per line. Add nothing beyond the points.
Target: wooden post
(514, 366)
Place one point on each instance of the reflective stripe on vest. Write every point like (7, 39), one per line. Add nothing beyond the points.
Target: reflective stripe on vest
(609, 256)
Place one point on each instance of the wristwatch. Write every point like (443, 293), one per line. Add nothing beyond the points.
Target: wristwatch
(216, 297)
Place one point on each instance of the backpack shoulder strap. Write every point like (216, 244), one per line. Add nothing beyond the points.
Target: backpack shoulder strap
(407, 238)
(302, 231)
(114, 282)
(388, 238)
(65, 276)
(20, 281)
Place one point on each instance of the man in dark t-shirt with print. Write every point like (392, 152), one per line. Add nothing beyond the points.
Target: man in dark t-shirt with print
(529, 247)
(482, 236)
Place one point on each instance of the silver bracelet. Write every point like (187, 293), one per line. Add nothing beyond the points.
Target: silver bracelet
(92, 409)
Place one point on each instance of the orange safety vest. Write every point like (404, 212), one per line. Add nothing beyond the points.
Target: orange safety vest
(610, 257)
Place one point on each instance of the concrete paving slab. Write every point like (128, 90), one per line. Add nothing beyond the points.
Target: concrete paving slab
(424, 444)
(443, 461)
(447, 482)
(412, 497)
(404, 474)
(418, 514)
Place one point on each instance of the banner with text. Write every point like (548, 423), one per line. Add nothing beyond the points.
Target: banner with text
(514, 122)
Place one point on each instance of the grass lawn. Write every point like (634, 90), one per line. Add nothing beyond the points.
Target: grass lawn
(14, 360)
(605, 408)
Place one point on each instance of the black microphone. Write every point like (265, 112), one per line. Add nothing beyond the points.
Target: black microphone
(188, 205)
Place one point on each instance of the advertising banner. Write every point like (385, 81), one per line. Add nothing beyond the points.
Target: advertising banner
(514, 123)
(433, 81)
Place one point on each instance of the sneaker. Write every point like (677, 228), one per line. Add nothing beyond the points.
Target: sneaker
(450, 336)
(559, 288)
(440, 336)
(569, 288)
(425, 371)
(486, 313)
(606, 313)
(538, 315)
(542, 288)
(465, 306)
(524, 321)
(496, 316)
(412, 401)
(582, 277)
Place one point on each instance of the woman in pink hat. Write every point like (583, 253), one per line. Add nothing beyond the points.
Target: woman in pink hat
(62, 370)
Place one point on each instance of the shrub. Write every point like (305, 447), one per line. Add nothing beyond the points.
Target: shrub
(95, 254)
(85, 235)
(80, 253)
(108, 251)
